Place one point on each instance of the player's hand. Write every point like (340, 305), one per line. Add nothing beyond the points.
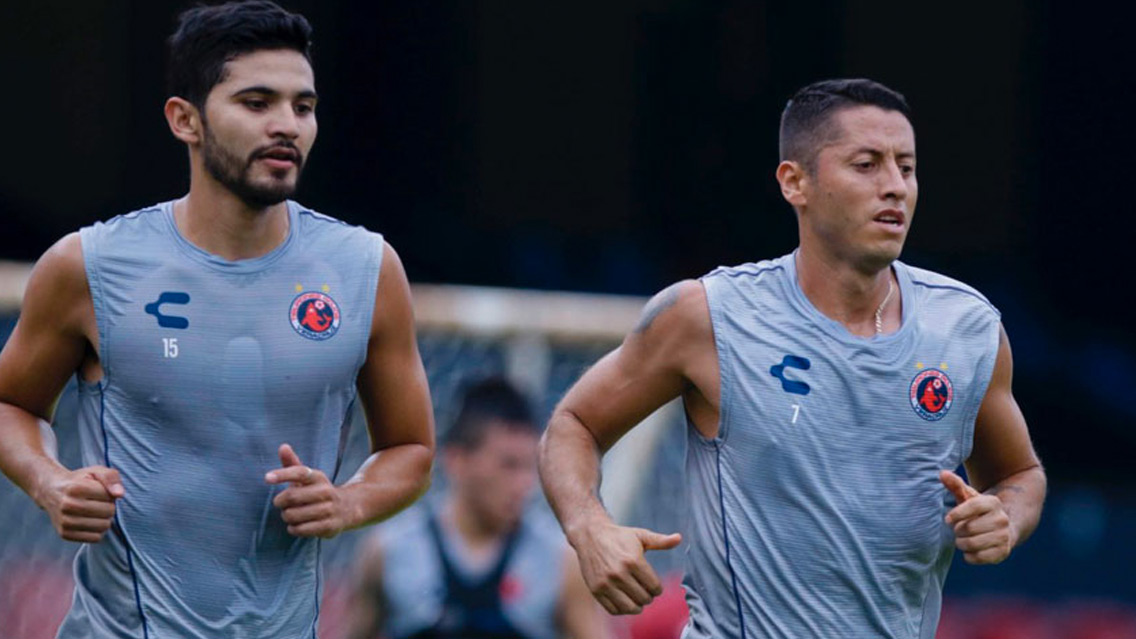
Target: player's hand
(81, 502)
(615, 567)
(983, 531)
(311, 505)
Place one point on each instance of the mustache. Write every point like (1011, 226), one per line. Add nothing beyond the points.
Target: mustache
(285, 146)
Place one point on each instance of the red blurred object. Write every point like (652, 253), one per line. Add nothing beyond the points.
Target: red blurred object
(1098, 620)
(34, 597)
(1010, 619)
(953, 621)
(665, 617)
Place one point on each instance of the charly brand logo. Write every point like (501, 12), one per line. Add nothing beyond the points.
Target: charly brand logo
(169, 321)
(314, 315)
(791, 385)
(931, 394)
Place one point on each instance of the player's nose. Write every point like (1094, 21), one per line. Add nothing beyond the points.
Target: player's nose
(893, 182)
(284, 122)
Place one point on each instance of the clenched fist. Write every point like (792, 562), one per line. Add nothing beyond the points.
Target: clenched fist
(81, 502)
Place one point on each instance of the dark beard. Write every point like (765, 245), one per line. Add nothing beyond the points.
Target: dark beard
(233, 174)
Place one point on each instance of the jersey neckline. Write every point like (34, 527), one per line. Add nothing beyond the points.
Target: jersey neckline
(216, 262)
(837, 330)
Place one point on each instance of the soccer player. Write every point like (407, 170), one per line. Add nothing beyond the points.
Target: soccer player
(474, 563)
(220, 342)
(829, 393)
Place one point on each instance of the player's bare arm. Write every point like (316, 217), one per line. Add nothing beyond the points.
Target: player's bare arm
(670, 353)
(367, 604)
(1002, 506)
(578, 615)
(54, 337)
(396, 400)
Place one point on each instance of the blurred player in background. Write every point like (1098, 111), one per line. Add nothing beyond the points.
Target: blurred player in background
(473, 563)
(220, 341)
(830, 393)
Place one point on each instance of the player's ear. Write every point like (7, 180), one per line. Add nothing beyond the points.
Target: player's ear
(792, 177)
(184, 120)
(453, 462)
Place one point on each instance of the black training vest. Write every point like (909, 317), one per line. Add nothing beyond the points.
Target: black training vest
(472, 609)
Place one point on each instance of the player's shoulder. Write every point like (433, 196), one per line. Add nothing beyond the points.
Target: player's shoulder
(541, 527)
(752, 271)
(145, 216)
(60, 269)
(676, 311)
(540, 539)
(409, 525)
(938, 286)
(313, 221)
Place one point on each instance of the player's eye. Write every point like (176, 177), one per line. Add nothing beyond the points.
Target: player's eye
(304, 108)
(256, 104)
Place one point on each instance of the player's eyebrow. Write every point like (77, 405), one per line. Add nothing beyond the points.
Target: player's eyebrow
(874, 152)
(269, 91)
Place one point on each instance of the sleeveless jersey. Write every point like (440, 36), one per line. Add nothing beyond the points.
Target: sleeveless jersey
(208, 366)
(818, 512)
(518, 595)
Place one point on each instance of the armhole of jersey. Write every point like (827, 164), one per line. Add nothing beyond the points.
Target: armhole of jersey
(88, 240)
(983, 375)
(374, 272)
(722, 352)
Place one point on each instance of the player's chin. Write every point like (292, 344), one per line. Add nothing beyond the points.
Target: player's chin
(883, 253)
(271, 191)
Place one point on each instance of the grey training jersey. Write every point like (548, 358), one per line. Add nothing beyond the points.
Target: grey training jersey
(209, 365)
(818, 510)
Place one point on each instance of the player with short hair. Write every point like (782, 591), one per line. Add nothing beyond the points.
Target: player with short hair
(829, 393)
(476, 562)
(220, 342)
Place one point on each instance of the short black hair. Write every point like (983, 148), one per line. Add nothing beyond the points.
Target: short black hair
(806, 122)
(209, 36)
(492, 401)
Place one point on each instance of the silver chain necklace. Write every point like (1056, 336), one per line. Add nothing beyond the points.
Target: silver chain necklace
(880, 309)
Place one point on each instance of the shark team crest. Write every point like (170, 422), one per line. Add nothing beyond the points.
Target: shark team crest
(931, 394)
(314, 315)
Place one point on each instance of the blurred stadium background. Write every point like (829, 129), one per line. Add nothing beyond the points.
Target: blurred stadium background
(615, 147)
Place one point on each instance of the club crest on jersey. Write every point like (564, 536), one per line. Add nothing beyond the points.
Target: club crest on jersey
(931, 394)
(314, 315)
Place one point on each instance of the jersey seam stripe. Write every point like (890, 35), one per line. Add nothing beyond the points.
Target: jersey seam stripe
(118, 519)
(344, 436)
(736, 272)
(726, 540)
(316, 215)
(958, 289)
(319, 572)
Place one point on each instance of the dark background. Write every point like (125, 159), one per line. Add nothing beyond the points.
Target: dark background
(618, 146)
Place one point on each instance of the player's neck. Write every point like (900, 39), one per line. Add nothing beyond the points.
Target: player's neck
(849, 295)
(215, 220)
(477, 534)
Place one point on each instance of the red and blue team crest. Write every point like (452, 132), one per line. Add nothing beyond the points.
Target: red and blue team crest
(314, 315)
(932, 394)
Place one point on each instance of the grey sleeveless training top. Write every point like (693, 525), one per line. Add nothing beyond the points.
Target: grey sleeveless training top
(209, 365)
(818, 511)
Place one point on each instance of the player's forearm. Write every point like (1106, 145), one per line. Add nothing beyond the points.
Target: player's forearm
(570, 472)
(24, 456)
(387, 482)
(1022, 495)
